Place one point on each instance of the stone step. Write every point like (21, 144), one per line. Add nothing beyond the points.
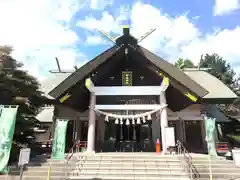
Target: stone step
(41, 177)
(39, 173)
(129, 173)
(214, 165)
(219, 178)
(219, 166)
(36, 168)
(155, 159)
(217, 169)
(48, 164)
(111, 177)
(128, 167)
(220, 174)
(132, 160)
(127, 163)
(132, 168)
(129, 157)
(213, 162)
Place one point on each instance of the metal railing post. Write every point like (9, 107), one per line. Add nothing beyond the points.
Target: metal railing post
(186, 161)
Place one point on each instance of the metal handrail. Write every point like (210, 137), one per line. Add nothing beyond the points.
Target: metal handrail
(186, 161)
(81, 159)
(71, 151)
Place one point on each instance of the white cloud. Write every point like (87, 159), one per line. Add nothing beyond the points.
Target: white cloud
(223, 42)
(95, 40)
(106, 23)
(175, 36)
(39, 31)
(223, 7)
(100, 4)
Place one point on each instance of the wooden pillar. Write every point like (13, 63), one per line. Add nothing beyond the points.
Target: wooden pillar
(164, 121)
(100, 132)
(203, 131)
(53, 122)
(182, 130)
(74, 138)
(77, 129)
(91, 124)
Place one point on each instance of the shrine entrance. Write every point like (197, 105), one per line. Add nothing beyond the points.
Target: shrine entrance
(128, 138)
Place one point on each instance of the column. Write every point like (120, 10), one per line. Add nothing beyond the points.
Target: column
(181, 130)
(155, 129)
(203, 132)
(53, 126)
(100, 133)
(164, 121)
(78, 129)
(91, 124)
(74, 132)
(53, 122)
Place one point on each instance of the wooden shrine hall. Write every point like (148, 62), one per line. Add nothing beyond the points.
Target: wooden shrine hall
(126, 97)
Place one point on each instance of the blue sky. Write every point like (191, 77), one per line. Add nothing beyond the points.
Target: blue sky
(43, 29)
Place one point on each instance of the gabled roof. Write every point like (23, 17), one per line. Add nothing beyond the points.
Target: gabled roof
(216, 88)
(173, 72)
(52, 82)
(214, 111)
(82, 72)
(46, 115)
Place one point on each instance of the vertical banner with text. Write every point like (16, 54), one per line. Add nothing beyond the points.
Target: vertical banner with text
(8, 116)
(59, 140)
(211, 135)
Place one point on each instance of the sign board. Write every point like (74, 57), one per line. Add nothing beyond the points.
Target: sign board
(24, 156)
(170, 136)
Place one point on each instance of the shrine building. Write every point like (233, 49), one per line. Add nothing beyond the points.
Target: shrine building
(126, 97)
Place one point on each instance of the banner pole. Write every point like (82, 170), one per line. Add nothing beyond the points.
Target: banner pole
(210, 166)
(49, 172)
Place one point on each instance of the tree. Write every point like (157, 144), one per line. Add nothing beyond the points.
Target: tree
(184, 63)
(221, 70)
(18, 83)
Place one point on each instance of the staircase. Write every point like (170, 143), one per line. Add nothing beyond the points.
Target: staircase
(128, 166)
(222, 169)
(125, 166)
(37, 169)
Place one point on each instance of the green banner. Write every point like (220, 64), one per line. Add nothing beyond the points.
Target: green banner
(211, 135)
(59, 140)
(8, 116)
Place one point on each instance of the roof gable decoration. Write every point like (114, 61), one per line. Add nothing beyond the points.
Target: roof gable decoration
(127, 90)
(188, 94)
(65, 97)
(126, 32)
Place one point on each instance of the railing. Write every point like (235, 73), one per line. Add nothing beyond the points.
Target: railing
(186, 161)
(75, 149)
(81, 161)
